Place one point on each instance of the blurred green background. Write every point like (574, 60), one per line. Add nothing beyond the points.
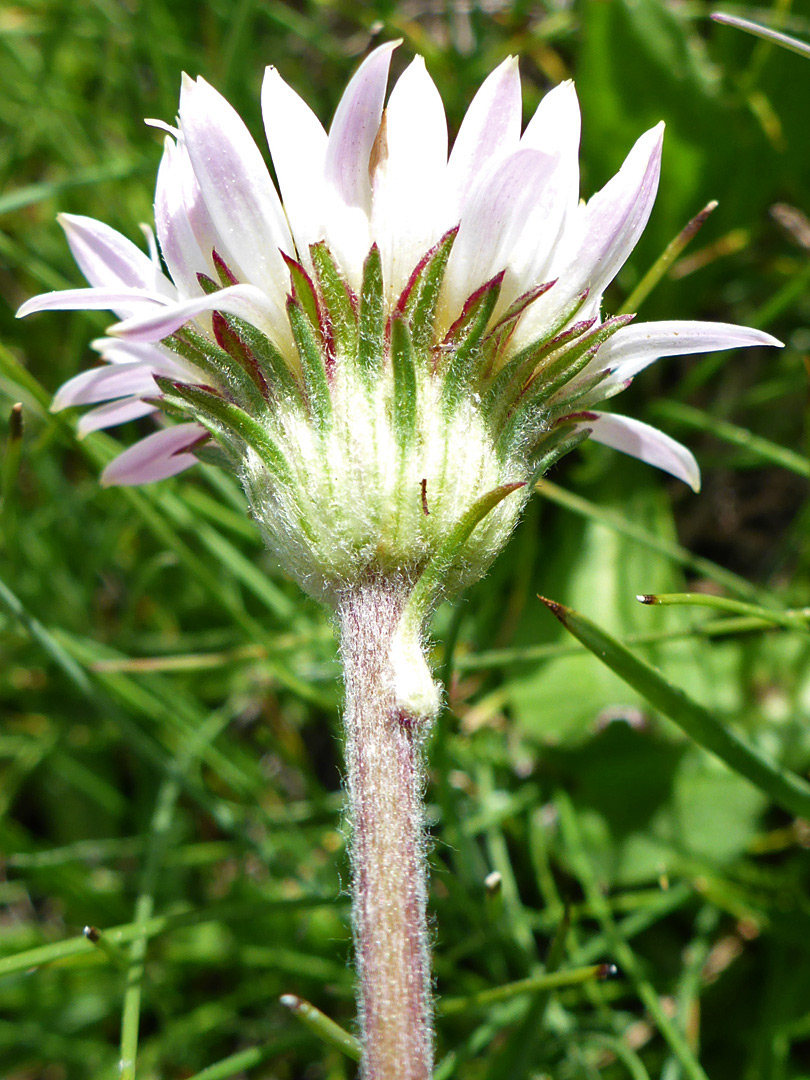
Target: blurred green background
(170, 741)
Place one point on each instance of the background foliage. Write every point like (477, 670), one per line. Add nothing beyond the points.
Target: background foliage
(170, 747)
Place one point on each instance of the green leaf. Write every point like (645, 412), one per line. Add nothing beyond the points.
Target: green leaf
(429, 586)
(784, 788)
(405, 393)
(224, 420)
(665, 260)
(207, 284)
(504, 387)
(463, 341)
(553, 447)
(551, 374)
(535, 984)
(225, 370)
(664, 545)
(337, 301)
(741, 437)
(233, 344)
(421, 295)
(313, 363)
(303, 290)
(498, 337)
(589, 565)
(261, 353)
(371, 346)
(790, 620)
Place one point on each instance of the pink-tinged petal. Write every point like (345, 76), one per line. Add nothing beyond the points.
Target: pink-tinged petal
(298, 143)
(493, 224)
(245, 301)
(490, 128)
(407, 212)
(161, 125)
(152, 248)
(347, 230)
(599, 238)
(108, 260)
(124, 302)
(112, 414)
(194, 204)
(182, 251)
(616, 216)
(646, 443)
(116, 351)
(156, 457)
(239, 194)
(555, 128)
(532, 258)
(159, 358)
(355, 127)
(557, 121)
(113, 381)
(635, 347)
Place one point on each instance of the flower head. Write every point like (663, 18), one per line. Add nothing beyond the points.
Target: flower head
(391, 347)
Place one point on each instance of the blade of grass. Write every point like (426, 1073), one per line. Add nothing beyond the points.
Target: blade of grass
(674, 551)
(798, 619)
(321, 1025)
(45, 639)
(738, 436)
(79, 947)
(157, 841)
(763, 32)
(520, 654)
(620, 950)
(243, 1060)
(498, 854)
(784, 788)
(620, 1049)
(11, 461)
(665, 260)
(50, 189)
(536, 984)
(155, 509)
(687, 995)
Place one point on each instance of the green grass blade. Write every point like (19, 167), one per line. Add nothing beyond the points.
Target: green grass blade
(243, 1060)
(790, 620)
(621, 951)
(769, 451)
(784, 788)
(622, 525)
(665, 260)
(537, 984)
(764, 33)
(325, 1028)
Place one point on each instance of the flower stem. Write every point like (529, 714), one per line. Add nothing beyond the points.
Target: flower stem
(385, 777)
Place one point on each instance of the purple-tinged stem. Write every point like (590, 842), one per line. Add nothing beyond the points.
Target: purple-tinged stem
(385, 778)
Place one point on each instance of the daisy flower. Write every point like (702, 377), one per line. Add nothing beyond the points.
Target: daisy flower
(388, 347)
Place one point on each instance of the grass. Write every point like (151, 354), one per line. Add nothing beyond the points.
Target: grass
(170, 745)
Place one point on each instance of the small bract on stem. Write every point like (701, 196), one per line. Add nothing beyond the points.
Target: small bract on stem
(388, 354)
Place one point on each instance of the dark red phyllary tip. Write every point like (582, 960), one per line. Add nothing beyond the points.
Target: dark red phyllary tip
(647, 598)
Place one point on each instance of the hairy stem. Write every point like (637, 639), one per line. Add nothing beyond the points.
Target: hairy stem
(384, 758)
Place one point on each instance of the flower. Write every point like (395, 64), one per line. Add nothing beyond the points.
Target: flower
(393, 346)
